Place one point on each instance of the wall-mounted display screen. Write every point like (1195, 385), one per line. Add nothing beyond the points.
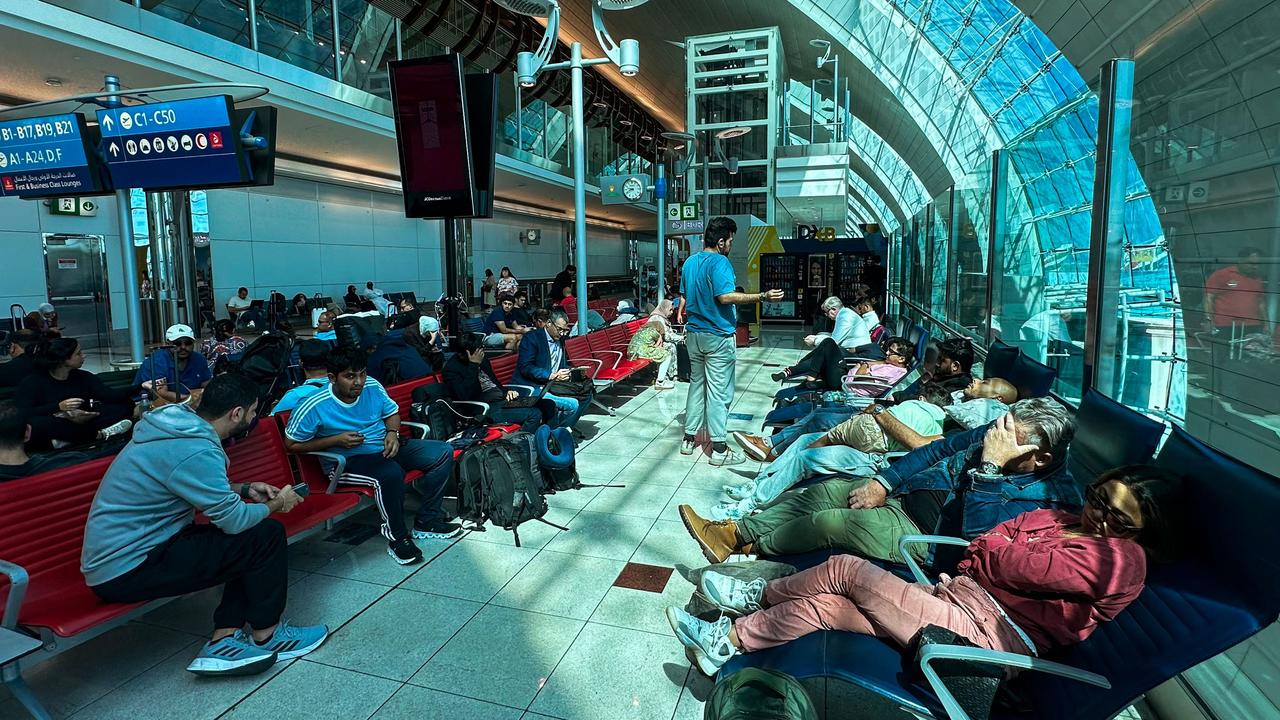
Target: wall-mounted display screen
(430, 106)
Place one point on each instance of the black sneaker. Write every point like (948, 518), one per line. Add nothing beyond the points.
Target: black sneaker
(440, 530)
(779, 376)
(404, 552)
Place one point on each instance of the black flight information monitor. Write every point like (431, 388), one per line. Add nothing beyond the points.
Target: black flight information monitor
(47, 156)
(180, 144)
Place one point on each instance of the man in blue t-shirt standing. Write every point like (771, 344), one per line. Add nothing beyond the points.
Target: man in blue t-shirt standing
(355, 418)
(707, 283)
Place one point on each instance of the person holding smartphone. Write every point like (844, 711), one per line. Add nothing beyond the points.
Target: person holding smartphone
(67, 405)
(141, 541)
(708, 282)
(543, 359)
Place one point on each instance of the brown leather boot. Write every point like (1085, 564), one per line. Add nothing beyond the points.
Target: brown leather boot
(754, 446)
(718, 540)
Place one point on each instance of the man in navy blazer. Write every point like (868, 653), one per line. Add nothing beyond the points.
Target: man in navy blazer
(543, 358)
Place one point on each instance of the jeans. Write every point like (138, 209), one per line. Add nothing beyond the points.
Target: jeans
(800, 462)
(711, 384)
(819, 420)
(570, 410)
(386, 477)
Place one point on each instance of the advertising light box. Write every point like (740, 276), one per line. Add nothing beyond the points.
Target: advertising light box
(47, 156)
(167, 145)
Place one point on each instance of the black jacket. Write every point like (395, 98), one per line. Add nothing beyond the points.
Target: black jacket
(12, 372)
(462, 378)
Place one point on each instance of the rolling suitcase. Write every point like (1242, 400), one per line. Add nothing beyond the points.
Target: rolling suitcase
(682, 362)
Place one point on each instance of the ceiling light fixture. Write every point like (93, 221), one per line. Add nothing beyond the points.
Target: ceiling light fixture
(53, 82)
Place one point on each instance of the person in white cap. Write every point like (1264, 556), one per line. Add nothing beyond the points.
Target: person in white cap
(171, 372)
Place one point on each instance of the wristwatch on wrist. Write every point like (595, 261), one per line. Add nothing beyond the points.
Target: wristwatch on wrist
(877, 409)
(244, 490)
(989, 468)
(760, 297)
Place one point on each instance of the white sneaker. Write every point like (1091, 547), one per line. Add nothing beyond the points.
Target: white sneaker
(114, 429)
(664, 385)
(740, 492)
(687, 447)
(707, 644)
(735, 597)
(734, 511)
(726, 458)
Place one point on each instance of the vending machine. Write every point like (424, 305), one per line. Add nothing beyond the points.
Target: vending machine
(783, 271)
(806, 279)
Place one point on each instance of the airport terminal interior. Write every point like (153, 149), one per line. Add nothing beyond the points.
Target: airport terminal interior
(604, 359)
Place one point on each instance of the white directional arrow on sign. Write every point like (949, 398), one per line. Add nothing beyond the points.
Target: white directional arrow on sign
(115, 149)
(106, 122)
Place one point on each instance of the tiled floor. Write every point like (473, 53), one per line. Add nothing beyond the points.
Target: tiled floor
(482, 630)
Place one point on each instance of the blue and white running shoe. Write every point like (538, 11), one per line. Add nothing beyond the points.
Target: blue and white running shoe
(294, 641)
(232, 655)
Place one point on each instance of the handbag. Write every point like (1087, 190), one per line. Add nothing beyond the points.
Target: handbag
(580, 389)
(974, 685)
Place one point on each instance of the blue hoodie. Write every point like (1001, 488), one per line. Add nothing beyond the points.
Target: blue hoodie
(173, 466)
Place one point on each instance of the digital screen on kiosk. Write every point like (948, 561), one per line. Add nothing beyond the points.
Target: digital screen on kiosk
(47, 155)
(180, 144)
(430, 107)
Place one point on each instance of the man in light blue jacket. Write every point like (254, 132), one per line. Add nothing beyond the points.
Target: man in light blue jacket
(141, 543)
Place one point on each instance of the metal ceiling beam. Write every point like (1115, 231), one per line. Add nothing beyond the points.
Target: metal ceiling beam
(469, 36)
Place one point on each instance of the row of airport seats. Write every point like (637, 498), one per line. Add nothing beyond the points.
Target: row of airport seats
(42, 590)
(608, 310)
(1223, 590)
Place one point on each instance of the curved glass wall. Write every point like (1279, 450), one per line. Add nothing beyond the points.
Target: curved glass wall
(980, 76)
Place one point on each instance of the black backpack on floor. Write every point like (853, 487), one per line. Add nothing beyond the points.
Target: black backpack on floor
(500, 481)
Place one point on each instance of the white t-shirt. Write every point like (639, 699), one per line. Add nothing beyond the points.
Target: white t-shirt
(238, 303)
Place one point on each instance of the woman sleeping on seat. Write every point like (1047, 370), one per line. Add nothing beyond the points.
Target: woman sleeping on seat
(828, 368)
(1038, 582)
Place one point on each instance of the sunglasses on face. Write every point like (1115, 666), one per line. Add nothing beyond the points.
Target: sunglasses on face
(185, 343)
(1099, 500)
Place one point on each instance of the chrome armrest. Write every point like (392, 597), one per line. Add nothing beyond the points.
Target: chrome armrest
(18, 581)
(422, 428)
(599, 365)
(340, 467)
(993, 657)
(616, 360)
(866, 382)
(911, 563)
(483, 407)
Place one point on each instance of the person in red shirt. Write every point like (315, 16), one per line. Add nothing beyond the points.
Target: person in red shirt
(1041, 581)
(567, 300)
(1234, 295)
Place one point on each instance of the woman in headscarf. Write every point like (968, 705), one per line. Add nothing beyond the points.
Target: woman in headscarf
(653, 341)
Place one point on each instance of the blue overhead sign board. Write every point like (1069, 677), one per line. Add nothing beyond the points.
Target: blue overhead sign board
(46, 156)
(179, 144)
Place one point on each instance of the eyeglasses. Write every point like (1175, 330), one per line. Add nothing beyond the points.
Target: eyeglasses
(561, 328)
(185, 343)
(1114, 519)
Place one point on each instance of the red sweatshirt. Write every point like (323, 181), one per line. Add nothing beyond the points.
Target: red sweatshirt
(1056, 587)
